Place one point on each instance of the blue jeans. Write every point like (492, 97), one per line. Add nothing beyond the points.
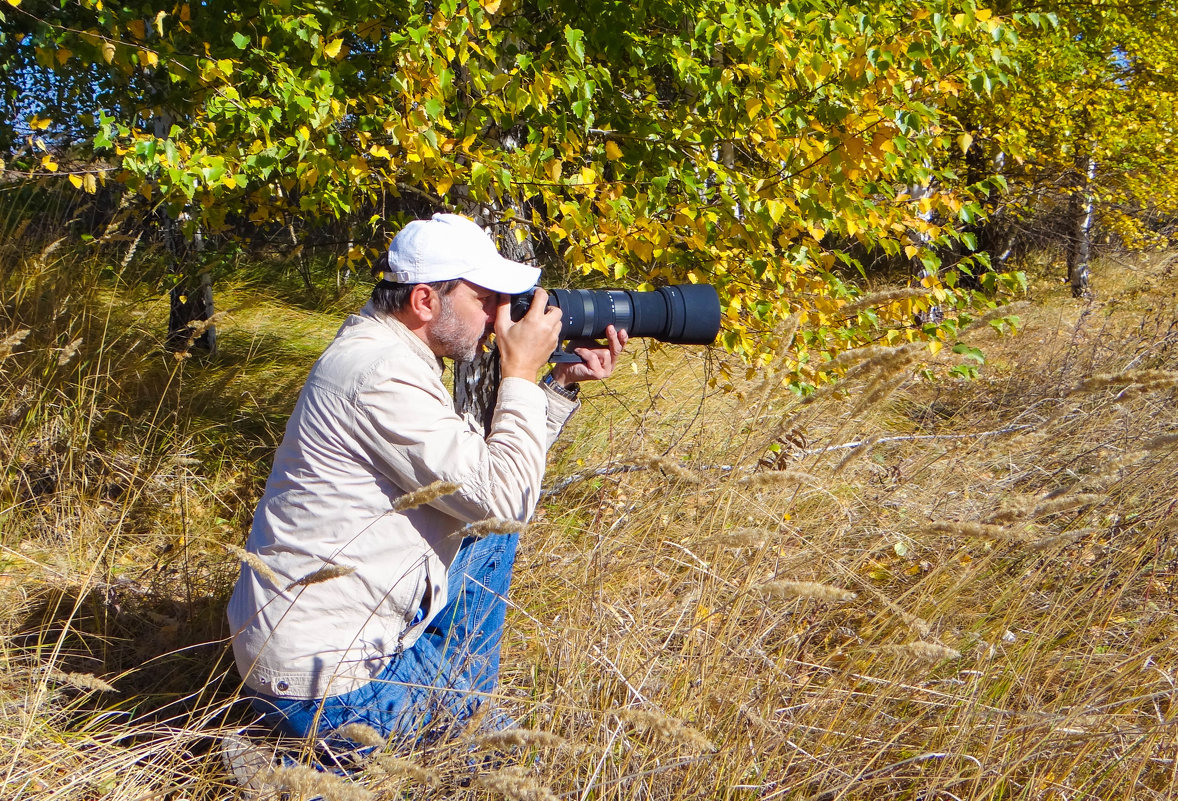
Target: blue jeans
(443, 679)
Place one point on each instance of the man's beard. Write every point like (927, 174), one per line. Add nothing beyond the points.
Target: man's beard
(456, 342)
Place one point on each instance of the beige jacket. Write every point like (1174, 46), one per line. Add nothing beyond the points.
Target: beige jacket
(373, 422)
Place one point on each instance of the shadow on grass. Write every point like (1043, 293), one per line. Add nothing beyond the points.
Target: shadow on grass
(168, 660)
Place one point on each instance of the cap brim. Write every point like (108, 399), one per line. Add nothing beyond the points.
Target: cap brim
(506, 276)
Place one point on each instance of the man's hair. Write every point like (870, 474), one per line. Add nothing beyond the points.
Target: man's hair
(390, 297)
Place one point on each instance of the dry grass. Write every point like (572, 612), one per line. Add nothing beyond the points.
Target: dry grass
(952, 613)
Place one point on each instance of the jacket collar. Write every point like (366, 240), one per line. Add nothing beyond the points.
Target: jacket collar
(402, 332)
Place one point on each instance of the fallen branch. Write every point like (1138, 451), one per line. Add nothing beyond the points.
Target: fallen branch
(568, 481)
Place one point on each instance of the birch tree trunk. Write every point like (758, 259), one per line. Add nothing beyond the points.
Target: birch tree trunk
(1080, 221)
(934, 314)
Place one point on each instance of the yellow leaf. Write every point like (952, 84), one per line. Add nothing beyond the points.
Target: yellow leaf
(38, 124)
(148, 57)
(612, 151)
(491, 6)
(333, 47)
(935, 346)
(982, 14)
(910, 251)
(89, 183)
(76, 180)
(48, 163)
(159, 22)
(380, 151)
(554, 169)
(14, 2)
(108, 52)
(138, 29)
(63, 55)
(964, 141)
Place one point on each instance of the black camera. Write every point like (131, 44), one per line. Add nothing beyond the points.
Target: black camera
(686, 314)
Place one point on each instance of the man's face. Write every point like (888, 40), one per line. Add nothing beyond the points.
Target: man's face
(466, 317)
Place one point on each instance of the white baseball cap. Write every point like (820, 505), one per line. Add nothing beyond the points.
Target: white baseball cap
(449, 246)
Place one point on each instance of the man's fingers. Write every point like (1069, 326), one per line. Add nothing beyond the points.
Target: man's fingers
(593, 361)
(540, 299)
(503, 319)
(617, 341)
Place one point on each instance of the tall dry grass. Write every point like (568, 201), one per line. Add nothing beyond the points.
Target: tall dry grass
(895, 589)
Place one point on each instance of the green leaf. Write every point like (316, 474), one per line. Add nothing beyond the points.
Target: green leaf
(575, 40)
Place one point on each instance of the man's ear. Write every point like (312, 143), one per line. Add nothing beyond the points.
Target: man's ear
(423, 302)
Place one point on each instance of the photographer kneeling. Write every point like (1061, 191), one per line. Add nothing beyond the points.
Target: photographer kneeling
(405, 638)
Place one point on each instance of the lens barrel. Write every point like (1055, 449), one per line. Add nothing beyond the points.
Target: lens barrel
(686, 314)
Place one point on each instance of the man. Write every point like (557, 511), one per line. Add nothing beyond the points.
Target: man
(350, 611)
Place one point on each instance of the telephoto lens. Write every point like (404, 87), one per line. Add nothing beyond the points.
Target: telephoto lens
(686, 314)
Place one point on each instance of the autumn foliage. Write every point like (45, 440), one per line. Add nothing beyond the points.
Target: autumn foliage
(777, 150)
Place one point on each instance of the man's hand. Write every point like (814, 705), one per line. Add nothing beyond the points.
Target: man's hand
(524, 346)
(599, 360)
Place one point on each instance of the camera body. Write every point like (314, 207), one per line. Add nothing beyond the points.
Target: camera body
(686, 314)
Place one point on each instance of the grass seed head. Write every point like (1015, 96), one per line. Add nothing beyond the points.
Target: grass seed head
(427, 494)
(256, 564)
(68, 352)
(743, 537)
(669, 467)
(887, 362)
(970, 529)
(492, 525)
(83, 681)
(880, 389)
(664, 727)
(1046, 543)
(862, 449)
(515, 783)
(777, 478)
(306, 783)
(806, 589)
(1012, 510)
(42, 258)
(923, 651)
(1136, 380)
(519, 738)
(395, 766)
(361, 734)
(881, 298)
(1064, 503)
(325, 573)
(919, 626)
(12, 341)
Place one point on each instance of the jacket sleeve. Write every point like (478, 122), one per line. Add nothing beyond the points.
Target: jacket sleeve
(414, 436)
(560, 409)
